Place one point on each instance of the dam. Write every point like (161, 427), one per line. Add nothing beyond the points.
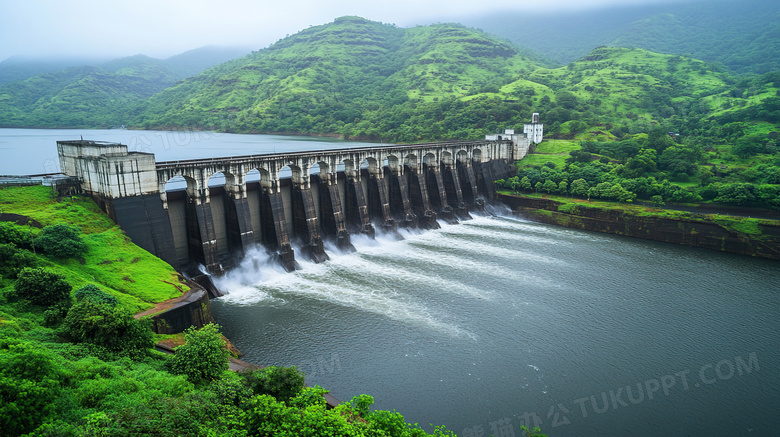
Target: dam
(208, 212)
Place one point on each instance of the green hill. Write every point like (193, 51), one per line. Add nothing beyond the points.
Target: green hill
(344, 78)
(21, 67)
(740, 35)
(632, 88)
(76, 97)
(356, 78)
(93, 95)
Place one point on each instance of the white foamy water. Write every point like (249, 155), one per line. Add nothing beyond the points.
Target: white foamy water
(380, 276)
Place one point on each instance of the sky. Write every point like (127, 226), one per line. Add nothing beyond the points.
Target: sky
(163, 28)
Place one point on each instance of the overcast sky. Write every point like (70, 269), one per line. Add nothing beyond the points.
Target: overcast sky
(162, 28)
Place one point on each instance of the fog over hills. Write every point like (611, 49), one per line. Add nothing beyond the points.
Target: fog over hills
(177, 67)
(744, 36)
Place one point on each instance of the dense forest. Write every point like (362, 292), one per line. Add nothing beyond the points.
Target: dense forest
(655, 168)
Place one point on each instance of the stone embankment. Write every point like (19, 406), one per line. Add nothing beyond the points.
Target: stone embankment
(759, 238)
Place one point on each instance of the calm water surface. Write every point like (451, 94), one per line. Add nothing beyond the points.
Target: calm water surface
(34, 151)
(496, 322)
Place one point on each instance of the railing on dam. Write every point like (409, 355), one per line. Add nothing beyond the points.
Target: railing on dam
(319, 152)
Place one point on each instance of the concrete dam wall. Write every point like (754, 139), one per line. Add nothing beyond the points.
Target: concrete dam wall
(281, 201)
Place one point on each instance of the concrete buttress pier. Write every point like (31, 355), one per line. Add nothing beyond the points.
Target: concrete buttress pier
(206, 213)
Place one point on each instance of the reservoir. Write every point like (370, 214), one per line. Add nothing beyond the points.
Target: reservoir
(498, 322)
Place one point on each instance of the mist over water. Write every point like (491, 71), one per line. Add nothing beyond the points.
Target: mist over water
(485, 322)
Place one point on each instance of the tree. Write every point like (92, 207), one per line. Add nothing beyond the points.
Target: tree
(514, 183)
(659, 140)
(643, 162)
(61, 241)
(680, 159)
(282, 383)
(737, 194)
(41, 287)
(563, 187)
(750, 145)
(579, 187)
(204, 356)
(525, 183)
(550, 186)
(13, 260)
(105, 325)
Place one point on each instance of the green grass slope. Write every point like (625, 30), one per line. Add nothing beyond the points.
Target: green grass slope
(134, 276)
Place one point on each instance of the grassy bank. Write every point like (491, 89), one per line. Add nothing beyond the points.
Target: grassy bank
(135, 277)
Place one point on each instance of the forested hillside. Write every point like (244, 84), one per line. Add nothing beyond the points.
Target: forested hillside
(353, 78)
(740, 35)
(94, 94)
(356, 78)
(360, 79)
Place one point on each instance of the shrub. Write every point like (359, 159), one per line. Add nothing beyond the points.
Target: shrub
(28, 387)
(14, 234)
(61, 241)
(13, 260)
(568, 208)
(112, 328)
(270, 417)
(309, 396)
(93, 293)
(204, 356)
(41, 287)
(56, 313)
(230, 390)
(282, 383)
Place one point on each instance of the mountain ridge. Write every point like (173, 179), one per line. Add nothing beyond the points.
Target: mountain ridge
(742, 36)
(357, 78)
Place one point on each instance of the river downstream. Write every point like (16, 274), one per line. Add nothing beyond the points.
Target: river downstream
(497, 322)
